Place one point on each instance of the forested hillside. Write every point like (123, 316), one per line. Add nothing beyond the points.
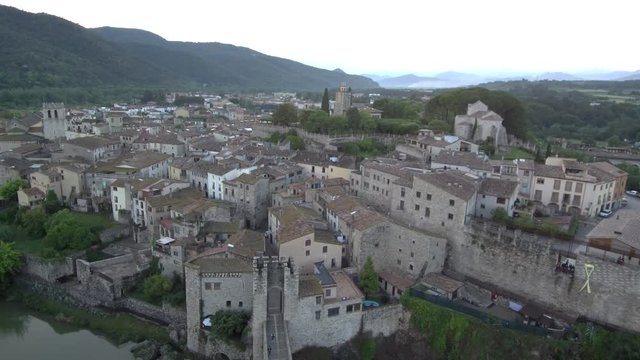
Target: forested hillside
(44, 51)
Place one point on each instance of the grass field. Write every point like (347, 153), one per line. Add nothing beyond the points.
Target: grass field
(516, 153)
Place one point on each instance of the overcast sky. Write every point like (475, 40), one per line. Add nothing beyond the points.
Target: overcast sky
(392, 36)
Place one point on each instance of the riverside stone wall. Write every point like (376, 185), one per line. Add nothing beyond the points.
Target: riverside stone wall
(385, 320)
(47, 269)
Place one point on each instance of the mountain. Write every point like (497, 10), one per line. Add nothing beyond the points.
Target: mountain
(558, 76)
(404, 81)
(632, 76)
(40, 50)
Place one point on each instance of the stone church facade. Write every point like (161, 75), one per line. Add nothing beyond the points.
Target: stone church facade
(486, 123)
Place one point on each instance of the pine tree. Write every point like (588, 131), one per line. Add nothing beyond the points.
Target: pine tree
(368, 278)
(548, 152)
(325, 101)
(475, 128)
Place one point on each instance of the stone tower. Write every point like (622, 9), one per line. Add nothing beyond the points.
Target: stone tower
(343, 100)
(54, 117)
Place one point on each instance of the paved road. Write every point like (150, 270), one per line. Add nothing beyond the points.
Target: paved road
(277, 337)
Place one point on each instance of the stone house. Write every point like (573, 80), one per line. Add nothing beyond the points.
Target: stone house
(467, 162)
(128, 196)
(301, 233)
(72, 184)
(89, 148)
(30, 197)
(250, 193)
(494, 194)
(435, 201)
(425, 147)
(165, 144)
(12, 141)
(620, 177)
(616, 236)
(218, 173)
(480, 123)
(14, 168)
(178, 168)
(48, 179)
(325, 166)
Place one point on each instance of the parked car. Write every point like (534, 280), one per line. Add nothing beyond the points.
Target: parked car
(605, 213)
(632, 193)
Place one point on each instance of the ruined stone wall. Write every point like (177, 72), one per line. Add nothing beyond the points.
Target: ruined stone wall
(194, 314)
(385, 320)
(46, 269)
(525, 265)
(165, 314)
(115, 233)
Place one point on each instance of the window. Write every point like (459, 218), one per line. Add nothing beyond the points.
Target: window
(482, 206)
(323, 170)
(333, 311)
(578, 187)
(402, 192)
(216, 286)
(325, 249)
(429, 197)
(417, 207)
(412, 253)
(318, 300)
(307, 253)
(538, 195)
(418, 194)
(207, 286)
(540, 181)
(116, 199)
(327, 292)
(556, 184)
(307, 243)
(318, 315)
(427, 212)
(356, 307)
(240, 304)
(349, 308)
(554, 197)
(568, 185)
(450, 216)
(411, 267)
(228, 303)
(399, 262)
(313, 169)
(452, 202)
(501, 200)
(401, 204)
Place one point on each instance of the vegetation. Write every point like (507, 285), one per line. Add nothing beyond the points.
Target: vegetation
(500, 215)
(51, 204)
(10, 262)
(295, 141)
(443, 108)
(9, 190)
(367, 349)
(119, 327)
(325, 101)
(400, 108)
(65, 234)
(229, 324)
(286, 114)
(155, 288)
(46, 51)
(364, 148)
(633, 181)
(368, 278)
(457, 336)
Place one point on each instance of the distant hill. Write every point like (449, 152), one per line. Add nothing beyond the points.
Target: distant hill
(405, 81)
(558, 76)
(632, 76)
(40, 50)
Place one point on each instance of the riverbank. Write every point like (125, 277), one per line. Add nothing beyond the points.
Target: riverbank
(117, 327)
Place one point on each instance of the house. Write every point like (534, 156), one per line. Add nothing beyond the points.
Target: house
(47, 180)
(438, 201)
(423, 147)
(617, 236)
(164, 144)
(14, 168)
(128, 196)
(325, 166)
(442, 285)
(300, 233)
(147, 164)
(250, 193)
(620, 177)
(12, 141)
(219, 172)
(466, 162)
(89, 148)
(73, 183)
(480, 123)
(494, 194)
(30, 197)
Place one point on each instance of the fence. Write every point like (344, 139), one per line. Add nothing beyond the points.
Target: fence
(480, 315)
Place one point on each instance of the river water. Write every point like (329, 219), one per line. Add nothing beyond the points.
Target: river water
(26, 335)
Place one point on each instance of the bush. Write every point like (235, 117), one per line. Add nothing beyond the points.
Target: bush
(229, 323)
(155, 287)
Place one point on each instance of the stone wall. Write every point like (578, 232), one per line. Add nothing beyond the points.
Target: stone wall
(46, 269)
(115, 233)
(165, 314)
(385, 320)
(525, 264)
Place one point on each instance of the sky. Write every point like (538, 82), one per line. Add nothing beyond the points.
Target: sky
(396, 37)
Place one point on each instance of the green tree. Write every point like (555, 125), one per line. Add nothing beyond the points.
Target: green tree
(10, 189)
(369, 278)
(285, 114)
(33, 221)
(538, 158)
(547, 153)
(488, 146)
(439, 125)
(66, 232)
(367, 123)
(614, 141)
(51, 204)
(500, 215)
(474, 129)
(353, 118)
(325, 101)
(295, 142)
(10, 262)
(228, 323)
(155, 287)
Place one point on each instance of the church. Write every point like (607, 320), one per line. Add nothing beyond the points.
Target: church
(480, 123)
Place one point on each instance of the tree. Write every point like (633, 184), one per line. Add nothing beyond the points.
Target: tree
(353, 118)
(548, 152)
(155, 287)
(614, 141)
(368, 278)
(367, 123)
(66, 232)
(500, 215)
(10, 262)
(285, 114)
(538, 158)
(10, 189)
(325, 101)
(488, 146)
(474, 129)
(295, 142)
(33, 221)
(228, 323)
(51, 204)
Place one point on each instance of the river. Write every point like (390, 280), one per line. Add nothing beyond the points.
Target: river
(25, 334)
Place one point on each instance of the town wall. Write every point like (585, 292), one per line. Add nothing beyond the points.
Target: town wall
(115, 233)
(385, 320)
(525, 265)
(165, 314)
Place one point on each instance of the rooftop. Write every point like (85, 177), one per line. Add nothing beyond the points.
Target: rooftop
(92, 142)
(622, 226)
(309, 286)
(247, 243)
(208, 265)
(442, 282)
(453, 182)
(498, 187)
